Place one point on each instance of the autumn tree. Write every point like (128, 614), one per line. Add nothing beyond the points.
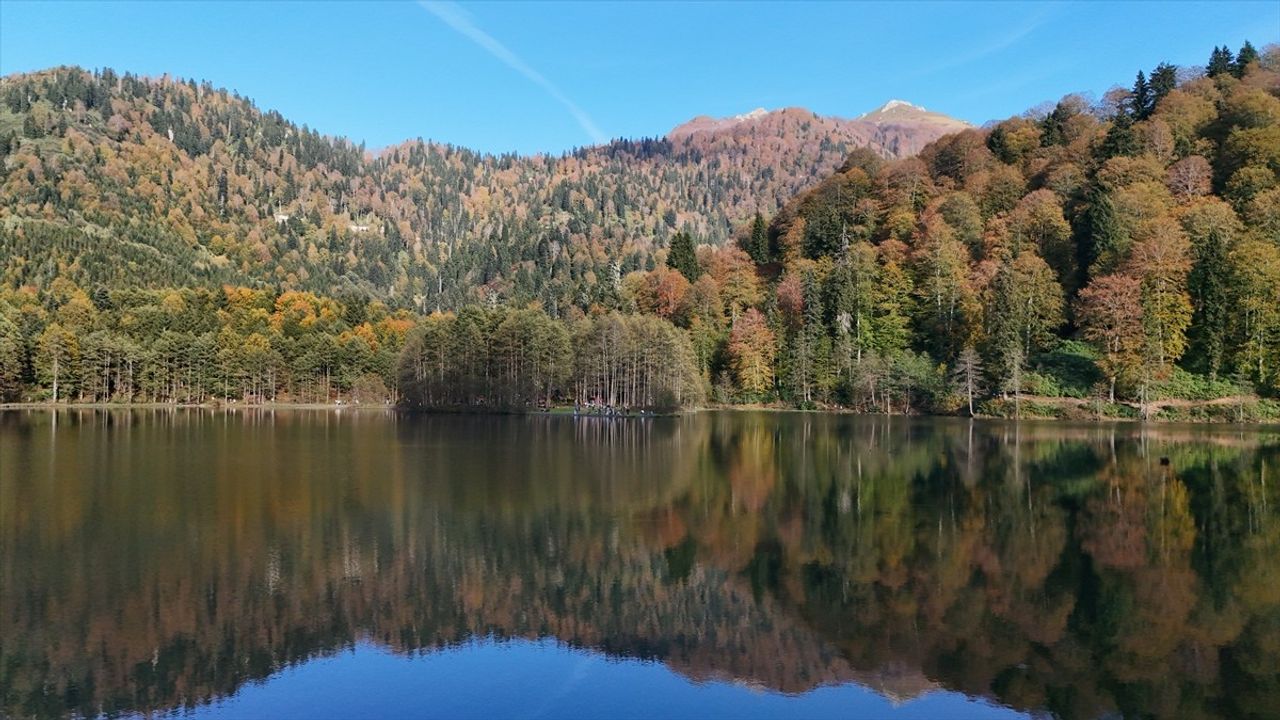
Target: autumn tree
(57, 355)
(1160, 259)
(1110, 315)
(751, 354)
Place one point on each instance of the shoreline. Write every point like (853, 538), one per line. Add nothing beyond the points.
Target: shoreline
(566, 411)
(192, 406)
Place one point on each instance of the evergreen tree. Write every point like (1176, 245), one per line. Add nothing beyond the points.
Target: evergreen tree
(808, 361)
(1120, 139)
(758, 242)
(1107, 240)
(1164, 79)
(1220, 61)
(31, 128)
(1248, 54)
(1211, 228)
(1141, 101)
(681, 256)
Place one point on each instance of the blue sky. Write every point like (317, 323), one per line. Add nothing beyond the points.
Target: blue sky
(546, 77)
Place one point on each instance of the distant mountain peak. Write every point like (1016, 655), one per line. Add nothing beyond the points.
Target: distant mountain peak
(894, 104)
(895, 129)
(897, 112)
(706, 123)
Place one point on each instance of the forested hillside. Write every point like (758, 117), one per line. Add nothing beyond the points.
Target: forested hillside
(1125, 249)
(121, 181)
(1117, 257)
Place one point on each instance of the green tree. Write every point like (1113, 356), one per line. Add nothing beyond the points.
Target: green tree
(758, 241)
(1221, 61)
(1141, 101)
(1212, 228)
(1248, 54)
(57, 357)
(1164, 79)
(1023, 307)
(11, 356)
(681, 256)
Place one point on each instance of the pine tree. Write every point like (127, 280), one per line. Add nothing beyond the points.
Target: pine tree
(758, 242)
(31, 128)
(1120, 139)
(1212, 228)
(1107, 240)
(807, 358)
(1164, 80)
(1248, 54)
(1140, 103)
(1220, 61)
(682, 256)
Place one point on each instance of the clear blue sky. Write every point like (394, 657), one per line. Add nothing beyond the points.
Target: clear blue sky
(546, 77)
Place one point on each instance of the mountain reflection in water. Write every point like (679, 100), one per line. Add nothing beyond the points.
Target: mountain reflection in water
(153, 560)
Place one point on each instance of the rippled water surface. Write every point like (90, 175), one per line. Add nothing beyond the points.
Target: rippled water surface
(304, 564)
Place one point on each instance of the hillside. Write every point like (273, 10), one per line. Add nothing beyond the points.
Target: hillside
(1095, 259)
(1128, 249)
(118, 180)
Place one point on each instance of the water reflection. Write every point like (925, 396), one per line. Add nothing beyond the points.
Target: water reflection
(152, 560)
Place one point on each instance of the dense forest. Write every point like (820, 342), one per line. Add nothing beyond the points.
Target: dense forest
(1128, 249)
(117, 180)
(1113, 257)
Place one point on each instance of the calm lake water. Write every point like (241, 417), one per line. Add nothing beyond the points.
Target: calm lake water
(326, 564)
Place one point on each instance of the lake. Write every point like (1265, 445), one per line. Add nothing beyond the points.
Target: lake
(732, 564)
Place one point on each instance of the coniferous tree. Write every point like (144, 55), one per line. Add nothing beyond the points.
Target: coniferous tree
(682, 256)
(1107, 240)
(1221, 61)
(1164, 79)
(1212, 230)
(1140, 102)
(1120, 138)
(758, 241)
(1248, 54)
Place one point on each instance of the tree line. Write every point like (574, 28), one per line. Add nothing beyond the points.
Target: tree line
(191, 345)
(522, 358)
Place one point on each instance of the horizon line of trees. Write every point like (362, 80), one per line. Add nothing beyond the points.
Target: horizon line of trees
(195, 345)
(521, 358)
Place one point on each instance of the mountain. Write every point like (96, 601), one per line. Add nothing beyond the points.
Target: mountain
(894, 130)
(113, 179)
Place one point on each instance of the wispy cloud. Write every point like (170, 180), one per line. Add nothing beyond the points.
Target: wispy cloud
(460, 21)
(1012, 37)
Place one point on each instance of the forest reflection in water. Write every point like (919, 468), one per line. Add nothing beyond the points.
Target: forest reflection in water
(151, 560)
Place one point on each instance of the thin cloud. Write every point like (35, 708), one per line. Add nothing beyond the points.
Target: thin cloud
(456, 18)
(1009, 39)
